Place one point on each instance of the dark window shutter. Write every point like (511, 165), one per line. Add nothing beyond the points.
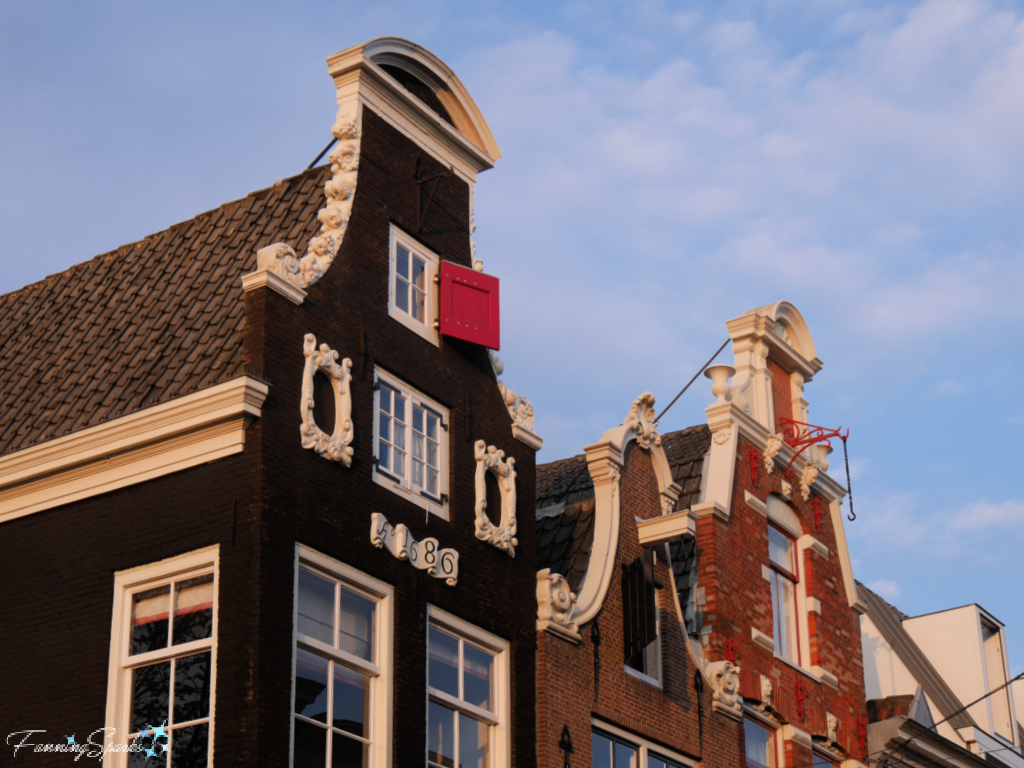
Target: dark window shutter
(638, 595)
(469, 306)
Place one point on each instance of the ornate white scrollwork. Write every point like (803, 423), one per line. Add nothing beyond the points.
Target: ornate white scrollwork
(787, 489)
(771, 450)
(280, 258)
(725, 687)
(807, 478)
(503, 536)
(519, 407)
(338, 445)
(722, 436)
(641, 420)
(556, 604)
(425, 555)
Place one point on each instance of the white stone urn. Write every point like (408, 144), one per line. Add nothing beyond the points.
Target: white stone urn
(720, 375)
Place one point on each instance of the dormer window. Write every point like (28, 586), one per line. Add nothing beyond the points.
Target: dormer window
(412, 295)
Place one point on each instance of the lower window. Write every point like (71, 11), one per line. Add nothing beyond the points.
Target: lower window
(341, 712)
(467, 687)
(162, 663)
(621, 750)
(760, 745)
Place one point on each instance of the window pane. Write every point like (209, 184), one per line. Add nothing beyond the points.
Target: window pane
(472, 743)
(417, 473)
(787, 620)
(399, 407)
(601, 751)
(821, 762)
(419, 269)
(399, 466)
(311, 686)
(385, 427)
(347, 753)
(402, 261)
(432, 481)
(351, 700)
(417, 418)
(385, 398)
(149, 619)
(777, 635)
(431, 453)
(316, 607)
(356, 631)
(441, 735)
(432, 426)
(399, 437)
(190, 747)
(192, 687)
(625, 756)
(417, 446)
(443, 664)
(310, 745)
(476, 676)
(158, 758)
(418, 305)
(654, 762)
(780, 549)
(759, 745)
(151, 691)
(402, 295)
(384, 455)
(193, 609)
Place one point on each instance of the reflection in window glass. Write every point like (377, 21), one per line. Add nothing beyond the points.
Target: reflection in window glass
(443, 667)
(150, 610)
(477, 676)
(193, 609)
(316, 607)
(356, 630)
(441, 735)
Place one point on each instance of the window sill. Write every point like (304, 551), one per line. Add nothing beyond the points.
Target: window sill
(798, 668)
(432, 507)
(642, 677)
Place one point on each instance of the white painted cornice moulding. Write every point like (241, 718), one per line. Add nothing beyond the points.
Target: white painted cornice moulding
(185, 432)
(266, 279)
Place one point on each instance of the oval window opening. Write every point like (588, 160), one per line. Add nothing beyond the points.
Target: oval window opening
(323, 402)
(493, 497)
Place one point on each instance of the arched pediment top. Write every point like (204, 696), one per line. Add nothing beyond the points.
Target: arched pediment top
(786, 323)
(439, 77)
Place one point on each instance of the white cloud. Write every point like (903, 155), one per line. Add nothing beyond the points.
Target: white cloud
(890, 590)
(982, 515)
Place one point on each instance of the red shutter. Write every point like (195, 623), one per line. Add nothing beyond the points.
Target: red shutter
(469, 305)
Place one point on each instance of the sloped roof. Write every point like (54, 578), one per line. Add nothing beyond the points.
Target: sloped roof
(889, 621)
(143, 324)
(565, 505)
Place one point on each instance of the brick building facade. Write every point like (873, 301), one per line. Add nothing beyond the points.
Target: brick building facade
(754, 658)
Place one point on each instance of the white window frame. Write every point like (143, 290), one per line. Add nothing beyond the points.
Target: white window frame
(803, 626)
(403, 486)
(429, 329)
(500, 717)
(643, 746)
(381, 684)
(127, 583)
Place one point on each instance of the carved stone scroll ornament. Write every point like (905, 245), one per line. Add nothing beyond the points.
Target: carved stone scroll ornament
(725, 687)
(771, 450)
(641, 420)
(280, 258)
(503, 536)
(338, 445)
(807, 478)
(425, 555)
(519, 407)
(556, 604)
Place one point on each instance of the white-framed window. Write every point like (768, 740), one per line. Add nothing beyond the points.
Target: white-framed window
(468, 697)
(611, 747)
(761, 745)
(410, 444)
(642, 619)
(784, 577)
(163, 662)
(412, 293)
(341, 702)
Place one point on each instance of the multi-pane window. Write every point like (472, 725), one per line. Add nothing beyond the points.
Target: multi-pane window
(784, 577)
(614, 751)
(163, 655)
(413, 295)
(410, 443)
(467, 696)
(760, 745)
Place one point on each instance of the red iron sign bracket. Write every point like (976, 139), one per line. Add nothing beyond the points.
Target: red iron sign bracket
(803, 435)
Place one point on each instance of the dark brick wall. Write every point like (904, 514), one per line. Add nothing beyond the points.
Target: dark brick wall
(668, 716)
(327, 506)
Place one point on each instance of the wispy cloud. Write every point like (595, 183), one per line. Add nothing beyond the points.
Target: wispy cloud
(890, 590)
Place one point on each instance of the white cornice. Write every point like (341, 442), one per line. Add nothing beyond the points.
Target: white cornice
(156, 441)
(271, 280)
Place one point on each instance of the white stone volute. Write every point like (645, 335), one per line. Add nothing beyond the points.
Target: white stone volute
(556, 604)
(725, 688)
(503, 536)
(336, 446)
(641, 420)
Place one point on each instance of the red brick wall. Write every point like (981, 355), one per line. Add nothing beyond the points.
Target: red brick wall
(782, 392)
(668, 716)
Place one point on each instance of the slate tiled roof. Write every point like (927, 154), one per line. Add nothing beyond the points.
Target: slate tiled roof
(889, 622)
(565, 508)
(146, 323)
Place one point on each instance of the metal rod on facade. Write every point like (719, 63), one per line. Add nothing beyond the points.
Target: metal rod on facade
(709, 362)
(849, 490)
(317, 160)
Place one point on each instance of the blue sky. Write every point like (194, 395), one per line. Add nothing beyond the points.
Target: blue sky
(666, 167)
